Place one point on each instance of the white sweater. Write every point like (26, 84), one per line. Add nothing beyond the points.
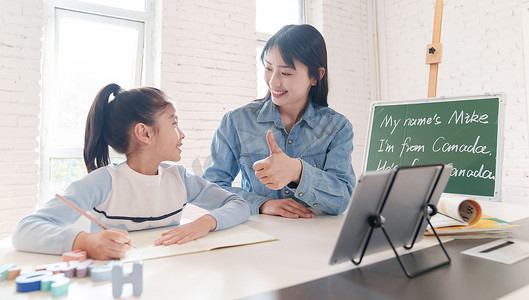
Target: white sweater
(121, 198)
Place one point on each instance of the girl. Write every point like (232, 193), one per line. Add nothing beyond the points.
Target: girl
(142, 192)
(292, 150)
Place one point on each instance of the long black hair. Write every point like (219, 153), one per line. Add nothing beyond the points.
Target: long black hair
(306, 44)
(111, 121)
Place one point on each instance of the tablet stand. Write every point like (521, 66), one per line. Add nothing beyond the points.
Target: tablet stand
(377, 221)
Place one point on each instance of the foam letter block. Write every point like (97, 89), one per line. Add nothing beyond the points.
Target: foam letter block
(69, 271)
(55, 268)
(58, 284)
(60, 287)
(101, 273)
(81, 268)
(79, 255)
(31, 282)
(4, 268)
(45, 283)
(13, 273)
(119, 278)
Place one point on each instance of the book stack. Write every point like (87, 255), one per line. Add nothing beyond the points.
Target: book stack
(460, 217)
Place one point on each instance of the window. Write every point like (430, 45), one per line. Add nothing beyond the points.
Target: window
(271, 15)
(87, 44)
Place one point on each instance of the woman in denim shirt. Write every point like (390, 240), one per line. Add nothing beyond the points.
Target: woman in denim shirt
(292, 150)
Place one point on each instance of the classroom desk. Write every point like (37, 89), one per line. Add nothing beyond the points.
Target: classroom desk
(466, 278)
(261, 271)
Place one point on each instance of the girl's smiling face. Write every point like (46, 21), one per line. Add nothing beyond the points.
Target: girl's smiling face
(169, 137)
(288, 85)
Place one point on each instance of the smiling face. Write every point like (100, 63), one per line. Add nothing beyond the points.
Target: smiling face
(289, 86)
(168, 139)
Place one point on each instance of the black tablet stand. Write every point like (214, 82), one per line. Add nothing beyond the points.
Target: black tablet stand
(377, 221)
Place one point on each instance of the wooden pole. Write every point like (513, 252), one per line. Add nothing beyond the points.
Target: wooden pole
(434, 51)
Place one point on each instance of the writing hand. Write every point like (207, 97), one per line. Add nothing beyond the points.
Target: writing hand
(287, 208)
(107, 244)
(188, 232)
(278, 169)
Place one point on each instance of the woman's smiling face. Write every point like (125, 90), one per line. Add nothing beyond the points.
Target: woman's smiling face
(289, 86)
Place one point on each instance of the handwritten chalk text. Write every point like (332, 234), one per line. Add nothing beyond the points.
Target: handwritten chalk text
(389, 122)
(461, 117)
(410, 122)
(481, 173)
(475, 148)
(385, 146)
(406, 147)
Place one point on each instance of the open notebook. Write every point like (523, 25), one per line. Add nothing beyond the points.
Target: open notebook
(235, 236)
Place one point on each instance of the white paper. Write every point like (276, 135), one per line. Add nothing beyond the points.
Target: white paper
(507, 251)
(465, 210)
(439, 220)
(235, 236)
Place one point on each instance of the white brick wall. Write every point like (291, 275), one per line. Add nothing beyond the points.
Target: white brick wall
(345, 28)
(208, 66)
(483, 52)
(21, 25)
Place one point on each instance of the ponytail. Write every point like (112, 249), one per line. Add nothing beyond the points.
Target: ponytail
(96, 153)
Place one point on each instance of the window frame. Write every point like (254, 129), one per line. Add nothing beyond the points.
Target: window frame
(263, 37)
(144, 73)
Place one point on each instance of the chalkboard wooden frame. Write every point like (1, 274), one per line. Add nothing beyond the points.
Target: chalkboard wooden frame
(477, 162)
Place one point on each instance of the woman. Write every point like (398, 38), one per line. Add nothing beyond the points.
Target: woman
(293, 151)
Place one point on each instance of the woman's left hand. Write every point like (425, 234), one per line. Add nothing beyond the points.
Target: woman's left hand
(278, 169)
(188, 232)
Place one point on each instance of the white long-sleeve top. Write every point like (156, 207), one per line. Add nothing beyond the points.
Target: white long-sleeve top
(121, 198)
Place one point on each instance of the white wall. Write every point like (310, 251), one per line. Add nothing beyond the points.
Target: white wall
(21, 24)
(483, 52)
(346, 32)
(208, 66)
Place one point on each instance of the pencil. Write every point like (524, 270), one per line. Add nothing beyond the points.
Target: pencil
(84, 213)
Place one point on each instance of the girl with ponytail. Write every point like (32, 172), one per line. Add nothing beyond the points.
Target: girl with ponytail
(145, 191)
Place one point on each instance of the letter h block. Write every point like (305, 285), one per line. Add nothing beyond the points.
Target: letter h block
(119, 278)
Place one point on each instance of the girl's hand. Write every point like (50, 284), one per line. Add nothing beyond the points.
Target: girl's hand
(107, 244)
(278, 169)
(287, 208)
(188, 232)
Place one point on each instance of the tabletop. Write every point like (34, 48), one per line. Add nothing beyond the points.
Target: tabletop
(301, 254)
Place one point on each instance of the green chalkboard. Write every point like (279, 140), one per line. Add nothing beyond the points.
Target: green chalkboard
(464, 132)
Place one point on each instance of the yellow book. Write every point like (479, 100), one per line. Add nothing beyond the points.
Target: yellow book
(462, 217)
(486, 224)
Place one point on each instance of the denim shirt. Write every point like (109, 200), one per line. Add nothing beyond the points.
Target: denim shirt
(322, 139)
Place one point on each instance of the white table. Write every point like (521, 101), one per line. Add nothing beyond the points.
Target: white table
(302, 254)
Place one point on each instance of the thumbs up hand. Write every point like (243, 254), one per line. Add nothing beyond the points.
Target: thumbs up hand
(272, 144)
(278, 169)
